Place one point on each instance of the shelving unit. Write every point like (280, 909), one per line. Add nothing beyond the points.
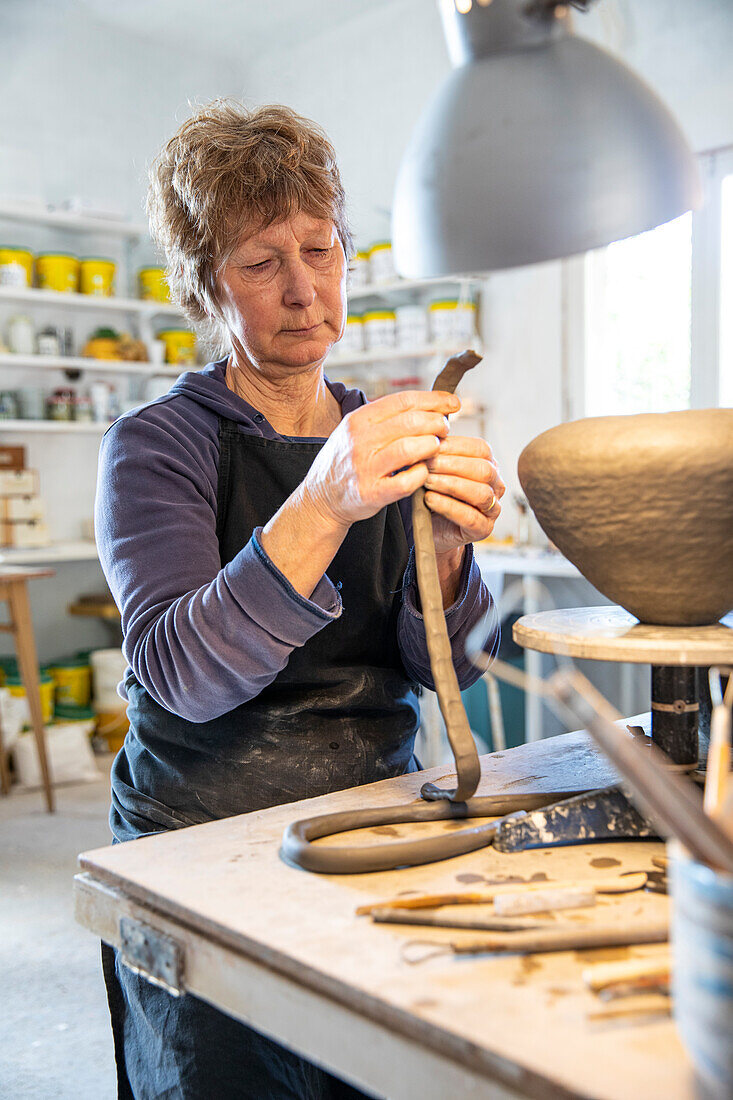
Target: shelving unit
(75, 362)
(67, 220)
(395, 286)
(389, 355)
(57, 552)
(64, 426)
(142, 312)
(58, 300)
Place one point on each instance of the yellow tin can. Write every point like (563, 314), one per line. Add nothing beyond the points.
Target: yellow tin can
(97, 276)
(46, 686)
(16, 266)
(73, 681)
(180, 346)
(58, 271)
(152, 284)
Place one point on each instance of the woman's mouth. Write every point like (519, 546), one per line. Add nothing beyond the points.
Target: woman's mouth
(302, 331)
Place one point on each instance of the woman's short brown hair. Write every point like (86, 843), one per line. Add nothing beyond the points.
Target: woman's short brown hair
(228, 168)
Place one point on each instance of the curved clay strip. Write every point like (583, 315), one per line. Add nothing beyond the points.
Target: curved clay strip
(468, 768)
(335, 859)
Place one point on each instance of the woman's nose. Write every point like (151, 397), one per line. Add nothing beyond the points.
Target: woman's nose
(299, 289)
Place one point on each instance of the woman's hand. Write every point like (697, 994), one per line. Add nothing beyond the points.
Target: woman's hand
(378, 454)
(462, 490)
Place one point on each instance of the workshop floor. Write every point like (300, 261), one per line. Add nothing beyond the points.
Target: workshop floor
(55, 1041)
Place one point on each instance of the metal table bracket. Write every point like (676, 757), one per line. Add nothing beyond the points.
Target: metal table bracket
(153, 955)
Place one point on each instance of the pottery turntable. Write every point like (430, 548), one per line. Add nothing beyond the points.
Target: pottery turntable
(680, 659)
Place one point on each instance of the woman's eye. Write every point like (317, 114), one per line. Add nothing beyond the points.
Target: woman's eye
(257, 267)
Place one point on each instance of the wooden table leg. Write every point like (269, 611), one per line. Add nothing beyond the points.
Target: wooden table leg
(20, 610)
(4, 769)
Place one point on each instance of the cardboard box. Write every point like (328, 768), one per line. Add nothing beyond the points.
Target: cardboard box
(18, 483)
(24, 535)
(12, 458)
(21, 509)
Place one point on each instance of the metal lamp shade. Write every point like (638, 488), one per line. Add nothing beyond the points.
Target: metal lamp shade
(534, 154)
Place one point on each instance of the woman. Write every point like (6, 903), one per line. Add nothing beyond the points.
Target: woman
(253, 526)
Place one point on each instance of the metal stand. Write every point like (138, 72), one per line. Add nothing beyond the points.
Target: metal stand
(675, 710)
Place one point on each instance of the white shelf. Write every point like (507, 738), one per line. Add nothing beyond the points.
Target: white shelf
(98, 366)
(57, 299)
(78, 426)
(81, 550)
(65, 219)
(528, 561)
(386, 289)
(390, 355)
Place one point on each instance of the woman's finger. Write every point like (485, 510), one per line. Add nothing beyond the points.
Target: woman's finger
(394, 404)
(479, 494)
(469, 445)
(403, 484)
(475, 469)
(407, 423)
(403, 452)
(474, 523)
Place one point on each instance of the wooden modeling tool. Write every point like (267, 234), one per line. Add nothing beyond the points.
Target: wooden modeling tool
(603, 976)
(543, 901)
(429, 918)
(649, 1004)
(563, 938)
(602, 884)
(719, 751)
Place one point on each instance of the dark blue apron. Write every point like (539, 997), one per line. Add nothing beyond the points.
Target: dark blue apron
(341, 713)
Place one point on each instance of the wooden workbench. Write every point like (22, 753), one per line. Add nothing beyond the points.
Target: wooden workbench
(283, 950)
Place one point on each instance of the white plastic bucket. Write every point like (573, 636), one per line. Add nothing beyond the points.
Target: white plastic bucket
(108, 669)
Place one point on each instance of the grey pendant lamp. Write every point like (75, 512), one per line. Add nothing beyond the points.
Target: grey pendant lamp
(538, 145)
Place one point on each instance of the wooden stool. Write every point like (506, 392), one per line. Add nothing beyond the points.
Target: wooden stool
(14, 590)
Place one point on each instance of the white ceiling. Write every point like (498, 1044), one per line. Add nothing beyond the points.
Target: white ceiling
(233, 29)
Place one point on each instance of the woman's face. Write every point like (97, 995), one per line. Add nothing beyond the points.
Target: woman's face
(283, 294)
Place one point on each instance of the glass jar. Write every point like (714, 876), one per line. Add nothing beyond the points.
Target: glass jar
(84, 410)
(49, 341)
(60, 404)
(21, 335)
(8, 405)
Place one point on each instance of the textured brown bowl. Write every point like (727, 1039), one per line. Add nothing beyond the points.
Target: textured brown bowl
(643, 506)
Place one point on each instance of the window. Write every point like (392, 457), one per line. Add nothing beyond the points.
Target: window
(638, 334)
(650, 319)
(726, 293)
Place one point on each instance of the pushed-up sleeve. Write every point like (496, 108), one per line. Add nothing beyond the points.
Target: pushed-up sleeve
(473, 603)
(201, 639)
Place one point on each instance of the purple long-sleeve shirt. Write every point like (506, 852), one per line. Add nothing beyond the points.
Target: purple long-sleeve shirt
(203, 639)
